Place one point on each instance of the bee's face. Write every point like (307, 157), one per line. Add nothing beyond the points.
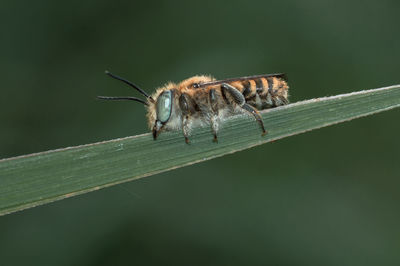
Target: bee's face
(163, 111)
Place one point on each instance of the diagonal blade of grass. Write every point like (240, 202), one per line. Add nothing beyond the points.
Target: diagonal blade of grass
(35, 179)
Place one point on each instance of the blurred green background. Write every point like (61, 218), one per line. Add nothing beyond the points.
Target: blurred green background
(327, 197)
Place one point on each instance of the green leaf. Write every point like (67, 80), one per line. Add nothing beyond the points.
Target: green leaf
(35, 179)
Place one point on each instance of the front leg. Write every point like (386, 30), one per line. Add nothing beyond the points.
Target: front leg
(214, 113)
(184, 104)
(186, 128)
(239, 99)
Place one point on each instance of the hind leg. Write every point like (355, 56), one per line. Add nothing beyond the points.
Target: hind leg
(239, 99)
(256, 115)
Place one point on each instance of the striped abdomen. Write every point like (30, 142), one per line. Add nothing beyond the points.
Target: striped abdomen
(264, 92)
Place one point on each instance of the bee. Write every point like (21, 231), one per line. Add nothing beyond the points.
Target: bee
(203, 100)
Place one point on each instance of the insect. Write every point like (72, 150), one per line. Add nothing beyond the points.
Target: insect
(202, 100)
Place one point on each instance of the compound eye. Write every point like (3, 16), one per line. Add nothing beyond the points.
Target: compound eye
(164, 106)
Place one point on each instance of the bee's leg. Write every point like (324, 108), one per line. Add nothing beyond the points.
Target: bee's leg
(214, 114)
(185, 128)
(241, 101)
(256, 115)
(186, 110)
(214, 127)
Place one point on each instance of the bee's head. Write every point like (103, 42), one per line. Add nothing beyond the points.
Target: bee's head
(159, 110)
(163, 111)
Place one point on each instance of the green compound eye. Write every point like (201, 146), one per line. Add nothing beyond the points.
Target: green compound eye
(164, 106)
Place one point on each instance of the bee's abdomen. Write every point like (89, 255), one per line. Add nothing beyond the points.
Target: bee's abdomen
(263, 93)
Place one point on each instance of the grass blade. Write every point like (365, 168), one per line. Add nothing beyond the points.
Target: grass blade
(35, 179)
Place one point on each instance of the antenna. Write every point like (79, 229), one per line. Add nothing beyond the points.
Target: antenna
(130, 84)
(122, 98)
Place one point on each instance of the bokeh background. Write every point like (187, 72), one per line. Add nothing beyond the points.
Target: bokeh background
(327, 197)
